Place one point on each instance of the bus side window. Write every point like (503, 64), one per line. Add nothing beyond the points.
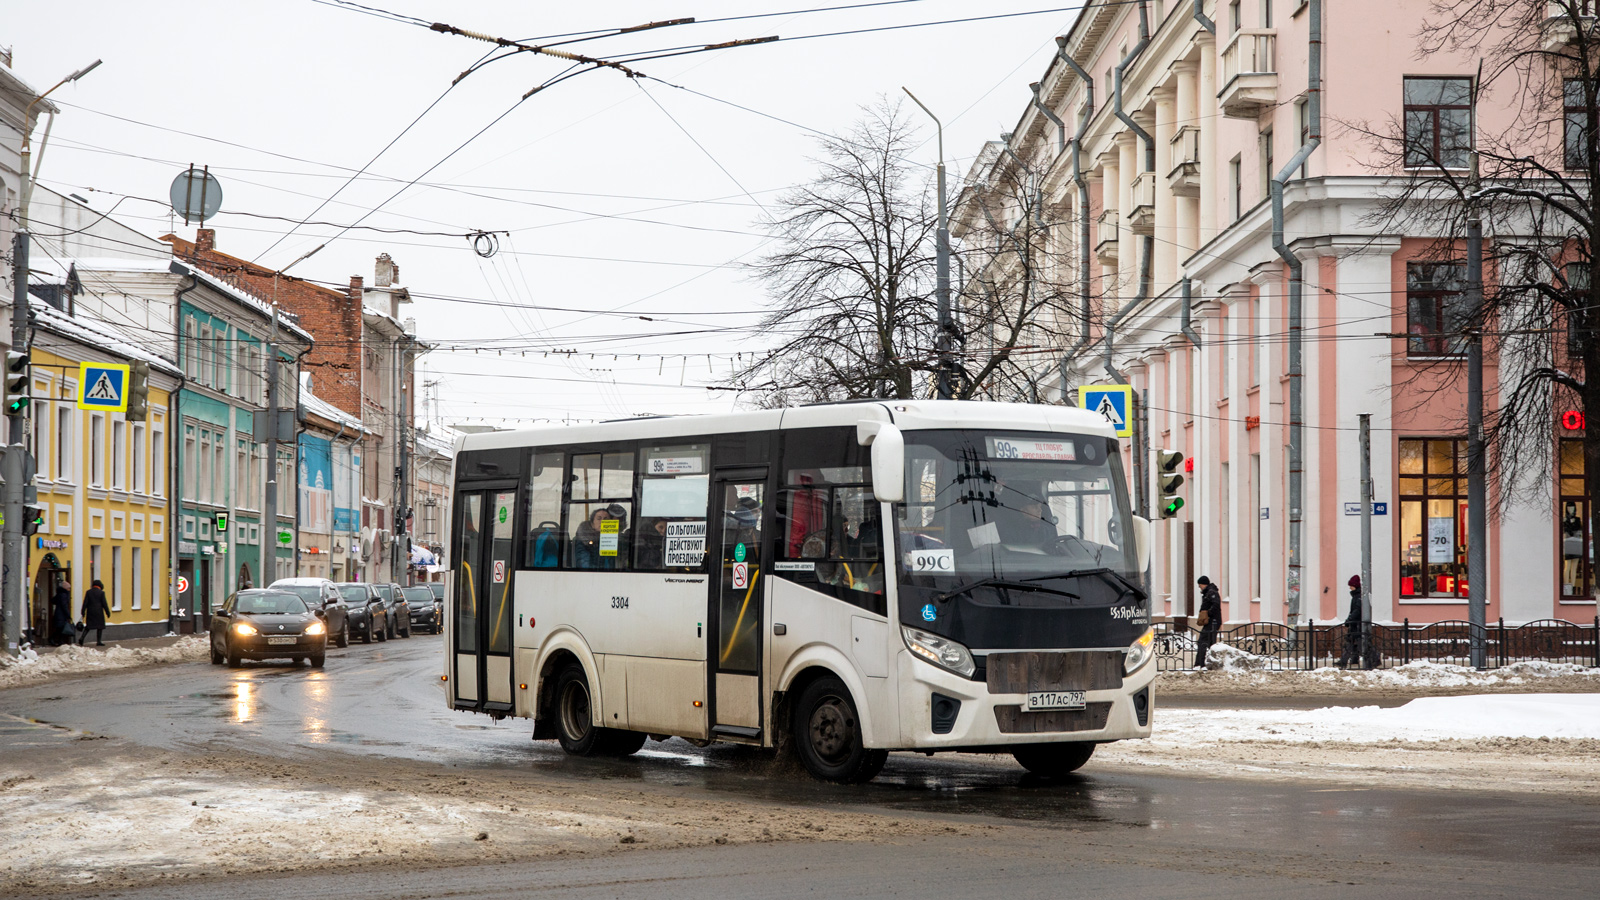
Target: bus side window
(542, 505)
(600, 512)
(674, 490)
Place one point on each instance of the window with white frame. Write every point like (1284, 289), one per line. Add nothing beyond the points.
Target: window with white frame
(241, 474)
(119, 455)
(205, 465)
(116, 579)
(221, 361)
(65, 445)
(189, 463)
(207, 352)
(157, 583)
(137, 559)
(97, 450)
(158, 456)
(241, 375)
(137, 483)
(191, 350)
(258, 463)
(219, 458)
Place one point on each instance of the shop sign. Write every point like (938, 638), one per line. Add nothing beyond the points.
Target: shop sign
(1572, 420)
(46, 544)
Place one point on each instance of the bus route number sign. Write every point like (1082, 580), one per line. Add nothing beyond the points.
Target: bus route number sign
(741, 575)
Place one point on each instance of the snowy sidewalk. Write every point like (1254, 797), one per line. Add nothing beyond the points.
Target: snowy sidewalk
(35, 666)
(1470, 717)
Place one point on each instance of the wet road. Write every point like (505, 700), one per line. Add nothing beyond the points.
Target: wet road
(1150, 835)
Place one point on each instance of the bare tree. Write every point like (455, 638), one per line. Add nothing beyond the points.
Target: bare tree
(1530, 185)
(851, 286)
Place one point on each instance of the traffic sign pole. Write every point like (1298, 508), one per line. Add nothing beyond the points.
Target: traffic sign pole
(15, 553)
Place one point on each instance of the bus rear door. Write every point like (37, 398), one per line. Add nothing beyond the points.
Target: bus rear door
(481, 625)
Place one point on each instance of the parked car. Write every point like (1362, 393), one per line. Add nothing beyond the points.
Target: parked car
(320, 593)
(263, 623)
(438, 590)
(368, 616)
(427, 612)
(394, 603)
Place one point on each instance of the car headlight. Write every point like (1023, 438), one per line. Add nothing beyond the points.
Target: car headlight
(244, 628)
(942, 652)
(1140, 652)
(316, 628)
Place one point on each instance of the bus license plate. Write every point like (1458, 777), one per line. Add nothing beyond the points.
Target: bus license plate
(284, 639)
(1042, 700)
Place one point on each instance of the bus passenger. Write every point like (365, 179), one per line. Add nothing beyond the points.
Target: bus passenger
(586, 542)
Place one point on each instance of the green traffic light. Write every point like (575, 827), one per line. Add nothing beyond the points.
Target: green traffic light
(1171, 508)
(17, 405)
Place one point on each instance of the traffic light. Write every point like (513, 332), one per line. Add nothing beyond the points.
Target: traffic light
(16, 382)
(221, 522)
(1168, 480)
(32, 518)
(138, 390)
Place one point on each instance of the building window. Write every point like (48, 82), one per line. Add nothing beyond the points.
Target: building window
(1575, 119)
(205, 466)
(1268, 169)
(189, 462)
(1302, 111)
(94, 563)
(1577, 544)
(65, 470)
(1438, 122)
(97, 451)
(1266, 13)
(191, 350)
(158, 459)
(137, 558)
(1236, 186)
(205, 355)
(119, 455)
(241, 476)
(138, 484)
(219, 469)
(1433, 518)
(156, 580)
(1235, 19)
(116, 579)
(1436, 309)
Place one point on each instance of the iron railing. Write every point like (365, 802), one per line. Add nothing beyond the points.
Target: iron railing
(1283, 647)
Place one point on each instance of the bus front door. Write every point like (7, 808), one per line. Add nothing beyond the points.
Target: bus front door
(481, 625)
(736, 607)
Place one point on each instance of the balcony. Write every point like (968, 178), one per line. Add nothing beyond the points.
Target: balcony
(1105, 237)
(1560, 32)
(1184, 179)
(1142, 220)
(1249, 73)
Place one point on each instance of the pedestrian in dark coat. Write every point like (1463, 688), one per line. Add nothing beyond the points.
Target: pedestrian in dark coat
(95, 610)
(61, 613)
(1352, 631)
(1210, 619)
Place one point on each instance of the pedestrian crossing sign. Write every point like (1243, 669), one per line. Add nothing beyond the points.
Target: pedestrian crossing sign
(1114, 401)
(103, 387)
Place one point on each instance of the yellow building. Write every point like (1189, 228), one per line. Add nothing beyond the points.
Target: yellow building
(105, 483)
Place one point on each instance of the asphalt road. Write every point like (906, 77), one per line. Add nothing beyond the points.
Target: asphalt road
(1101, 834)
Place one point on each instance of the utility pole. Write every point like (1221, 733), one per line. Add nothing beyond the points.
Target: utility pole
(269, 505)
(1477, 487)
(1366, 539)
(945, 348)
(401, 557)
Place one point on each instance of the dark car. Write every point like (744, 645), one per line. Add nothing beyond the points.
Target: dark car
(438, 590)
(268, 624)
(320, 593)
(368, 616)
(426, 612)
(394, 603)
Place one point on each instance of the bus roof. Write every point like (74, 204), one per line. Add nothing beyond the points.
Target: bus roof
(910, 415)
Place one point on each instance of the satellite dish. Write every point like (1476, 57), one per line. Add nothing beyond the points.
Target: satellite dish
(196, 194)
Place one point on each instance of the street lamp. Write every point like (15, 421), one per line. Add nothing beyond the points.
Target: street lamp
(27, 132)
(942, 285)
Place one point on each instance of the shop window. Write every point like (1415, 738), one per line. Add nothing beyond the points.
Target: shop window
(674, 492)
(1577, 544)
(1433, 518)
(1436, 309)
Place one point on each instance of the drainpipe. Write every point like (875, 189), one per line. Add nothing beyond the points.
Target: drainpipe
(1146, 251)
(1116, 89)
(1200, 16)
(1296, 285)
(1184, 322)
(1061, 127)
(174, 465)
(1083, 208)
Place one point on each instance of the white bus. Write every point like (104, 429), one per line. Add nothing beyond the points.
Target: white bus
(847, 579)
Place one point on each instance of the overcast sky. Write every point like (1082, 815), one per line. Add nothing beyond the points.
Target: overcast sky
(619, 195)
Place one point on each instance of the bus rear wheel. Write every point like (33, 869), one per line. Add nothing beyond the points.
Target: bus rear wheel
(1054, 760)
(827, 735)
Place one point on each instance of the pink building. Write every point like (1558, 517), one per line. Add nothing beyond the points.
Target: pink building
(1222, 91)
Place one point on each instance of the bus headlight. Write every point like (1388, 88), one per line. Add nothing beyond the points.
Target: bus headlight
(942, 652)
(1140, 652)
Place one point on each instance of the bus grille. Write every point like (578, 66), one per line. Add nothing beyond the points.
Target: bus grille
(1082, 670)
(1012, 720)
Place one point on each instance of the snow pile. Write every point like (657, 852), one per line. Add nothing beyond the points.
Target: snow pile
(1433, 674)
(74, 660)
(1469, 717)
(1226, 658)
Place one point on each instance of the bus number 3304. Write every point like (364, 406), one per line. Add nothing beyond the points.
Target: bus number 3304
(619, 602)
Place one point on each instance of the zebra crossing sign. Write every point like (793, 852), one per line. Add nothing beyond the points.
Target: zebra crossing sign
(103, 387)
(1114, 401)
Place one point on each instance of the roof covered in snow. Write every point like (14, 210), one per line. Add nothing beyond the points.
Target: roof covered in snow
(95, 333)
(243, 296)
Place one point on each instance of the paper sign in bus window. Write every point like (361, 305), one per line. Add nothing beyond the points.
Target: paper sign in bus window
(609, 531)
(933, 561)
(983, 535)
(686, 544)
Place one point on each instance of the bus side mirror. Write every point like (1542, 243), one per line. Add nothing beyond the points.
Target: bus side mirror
(1141, 541)
(888, 459)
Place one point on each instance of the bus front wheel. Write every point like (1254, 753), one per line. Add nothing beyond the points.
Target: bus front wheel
(1054, 760)
(574, 717)
(827, 735)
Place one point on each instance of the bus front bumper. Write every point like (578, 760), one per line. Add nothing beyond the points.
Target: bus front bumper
(997, 721)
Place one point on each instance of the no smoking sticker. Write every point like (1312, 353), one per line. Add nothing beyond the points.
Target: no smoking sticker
(741, 574)
(499, 571)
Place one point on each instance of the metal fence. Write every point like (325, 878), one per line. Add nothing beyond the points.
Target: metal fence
(1309, 646)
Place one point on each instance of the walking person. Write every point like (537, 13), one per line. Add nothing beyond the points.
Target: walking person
(94, 613)
(1209, 620)
(1352, 653)
(61, 614)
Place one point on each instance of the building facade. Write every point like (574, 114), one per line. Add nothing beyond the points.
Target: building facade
(330, 454)
(1151, 145)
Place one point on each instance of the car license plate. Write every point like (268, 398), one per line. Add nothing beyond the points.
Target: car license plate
(281, 639)
(1041, 700)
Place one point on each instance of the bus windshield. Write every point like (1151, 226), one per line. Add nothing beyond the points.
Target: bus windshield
(1015, 506)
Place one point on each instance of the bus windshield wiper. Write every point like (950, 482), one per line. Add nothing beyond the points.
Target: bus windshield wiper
(1108, 573)
(1006, 583)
